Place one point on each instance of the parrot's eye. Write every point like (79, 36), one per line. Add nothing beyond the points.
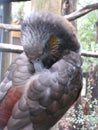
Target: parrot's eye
(37, 59)
(24, 25)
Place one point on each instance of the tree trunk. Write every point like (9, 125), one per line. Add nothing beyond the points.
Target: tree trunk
(67, 7)
(47, 5)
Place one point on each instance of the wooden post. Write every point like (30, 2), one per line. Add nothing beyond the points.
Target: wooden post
(6, 38)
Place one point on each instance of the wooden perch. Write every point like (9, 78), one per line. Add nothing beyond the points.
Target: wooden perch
(10, 27)
(89, 54)
(19, 49)
(70, 17)
(10, 48)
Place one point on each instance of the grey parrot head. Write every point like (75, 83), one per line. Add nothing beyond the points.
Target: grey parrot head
(47, 36)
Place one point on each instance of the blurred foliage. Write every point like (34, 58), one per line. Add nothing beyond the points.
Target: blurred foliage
(86, 121)
(86, 26)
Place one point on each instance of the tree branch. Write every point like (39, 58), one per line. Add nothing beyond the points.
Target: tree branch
(81, 12)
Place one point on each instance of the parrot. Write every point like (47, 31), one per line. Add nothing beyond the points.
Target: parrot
(44, 81)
